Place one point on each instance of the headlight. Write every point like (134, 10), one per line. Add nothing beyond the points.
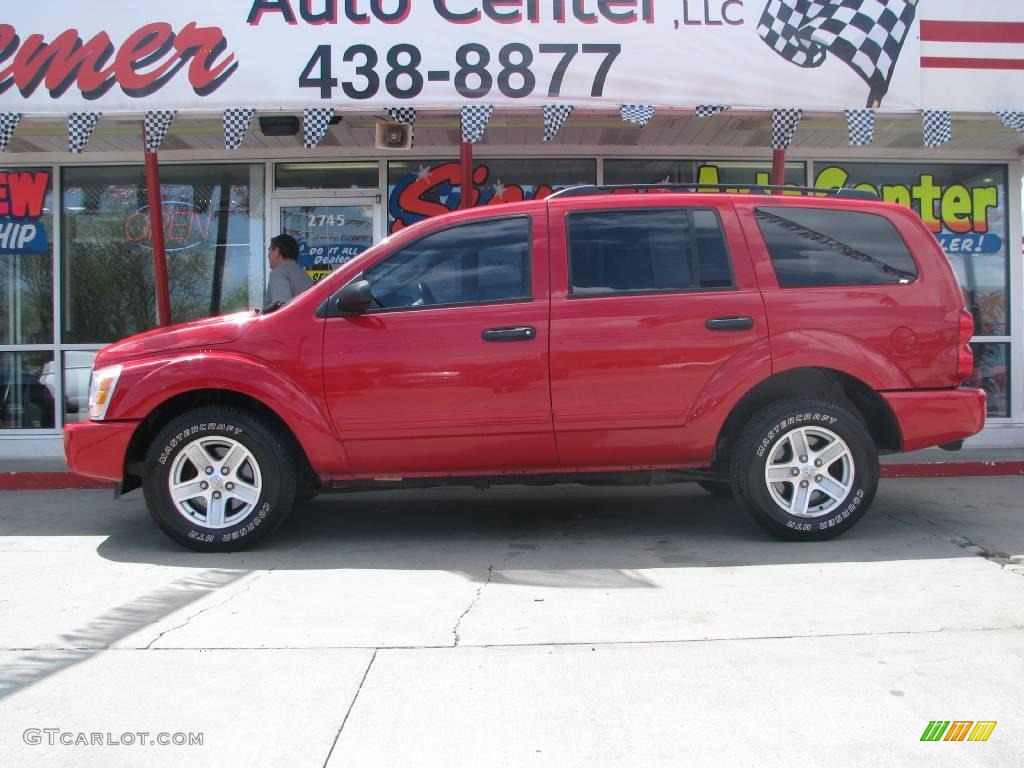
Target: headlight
(101, 390)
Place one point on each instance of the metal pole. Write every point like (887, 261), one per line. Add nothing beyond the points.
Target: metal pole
(466, 174)
(156, 235)
(778, 167)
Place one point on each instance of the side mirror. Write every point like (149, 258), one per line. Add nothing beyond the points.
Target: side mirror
(355, 298)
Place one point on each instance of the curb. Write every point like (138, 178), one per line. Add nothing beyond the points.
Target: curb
(69, 481)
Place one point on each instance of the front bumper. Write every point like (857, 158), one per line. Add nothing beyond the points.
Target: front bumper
(936, 416)
(98, 448)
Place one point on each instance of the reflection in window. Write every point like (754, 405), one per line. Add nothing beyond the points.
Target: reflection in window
(992, 373)
(470, 264)
(108, 255)
(26, 390)
(26, 256)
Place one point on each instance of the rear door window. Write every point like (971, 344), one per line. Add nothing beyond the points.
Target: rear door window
(818, 247)
(646, 251)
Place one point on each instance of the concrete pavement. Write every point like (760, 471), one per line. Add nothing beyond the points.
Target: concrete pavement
(516, 626)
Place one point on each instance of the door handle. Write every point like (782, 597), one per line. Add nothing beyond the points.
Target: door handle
(737, 323)
(520, 333)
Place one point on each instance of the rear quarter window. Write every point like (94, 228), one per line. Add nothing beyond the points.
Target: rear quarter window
(819, 247)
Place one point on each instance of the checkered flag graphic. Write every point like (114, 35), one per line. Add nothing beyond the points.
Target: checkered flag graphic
(638, 114)
(710, 110)
(860, 124)
(866, 34)
(157, 122)
(474, 122)
(315, 122)
(8, 122)
(404, 115)
(80, 128)
(555, 116)
(1014, 120)
(784, 123)
(236, 125)
(937, 126)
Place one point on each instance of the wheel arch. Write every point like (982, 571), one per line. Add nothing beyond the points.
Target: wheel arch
(815, 383)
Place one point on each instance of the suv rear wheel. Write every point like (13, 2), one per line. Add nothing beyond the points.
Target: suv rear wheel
(218, 479)
(805, 469)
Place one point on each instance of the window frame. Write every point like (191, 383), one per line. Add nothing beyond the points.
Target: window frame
(693, 256)
(519, 300)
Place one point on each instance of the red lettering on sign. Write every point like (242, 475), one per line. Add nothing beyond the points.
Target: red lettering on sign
(23, 194)
(67, 61)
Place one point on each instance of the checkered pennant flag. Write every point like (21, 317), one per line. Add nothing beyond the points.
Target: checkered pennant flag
(860, 124)
(555, 116)
(404, 115)
(1013, 120)
(315, 122)
(866, 34)
(157, 122)
(937, 126)
(8, 122)
(80, 128)
(638, 114)
(474, 122)
(236, 124)
(710, 110)
(784, 123)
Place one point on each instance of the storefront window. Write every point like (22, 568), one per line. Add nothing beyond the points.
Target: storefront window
(733, 174)
(26, 390)
(992, 373)
(77, 372)
(213, 219)
(354, 175)
(26, 256)
(419, 189)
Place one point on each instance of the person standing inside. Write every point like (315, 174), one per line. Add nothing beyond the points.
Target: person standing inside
(287, 278)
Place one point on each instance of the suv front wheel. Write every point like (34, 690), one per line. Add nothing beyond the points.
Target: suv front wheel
(218, 479)
(805, 469)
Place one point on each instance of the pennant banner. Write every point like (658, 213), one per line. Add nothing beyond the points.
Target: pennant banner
(157, 122)
(474, 122)
(80, 128)
(315, 122)
(638, 114)
(860, 124)
(236, 125)
(8, 122)
(555, 116)
(784, 123)
(1014, 120)
(937, 127)
(710, 110)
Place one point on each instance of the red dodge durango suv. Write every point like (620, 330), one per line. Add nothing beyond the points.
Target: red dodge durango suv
(768, 346)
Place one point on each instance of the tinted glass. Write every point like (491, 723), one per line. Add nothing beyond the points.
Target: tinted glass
(342, 175)
(472, 264)
(812, 246)
(27, 390)
(669, 249)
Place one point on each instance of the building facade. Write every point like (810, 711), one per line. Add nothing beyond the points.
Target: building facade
(76, 240)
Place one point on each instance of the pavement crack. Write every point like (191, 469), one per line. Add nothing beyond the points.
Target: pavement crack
(351, 706)
(473, 602)
(222, 603)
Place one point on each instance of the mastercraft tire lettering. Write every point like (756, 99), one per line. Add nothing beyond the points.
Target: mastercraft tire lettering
(218, 479)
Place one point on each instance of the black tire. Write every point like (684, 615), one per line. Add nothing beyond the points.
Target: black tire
(771, 436)
(719, 488)
(266, 467)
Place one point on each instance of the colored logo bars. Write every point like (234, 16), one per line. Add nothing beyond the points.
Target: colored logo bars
(958, 730)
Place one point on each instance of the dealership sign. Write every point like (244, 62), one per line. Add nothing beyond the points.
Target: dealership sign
(193, 55)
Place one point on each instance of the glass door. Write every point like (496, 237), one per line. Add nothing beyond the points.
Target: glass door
(330, 231)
